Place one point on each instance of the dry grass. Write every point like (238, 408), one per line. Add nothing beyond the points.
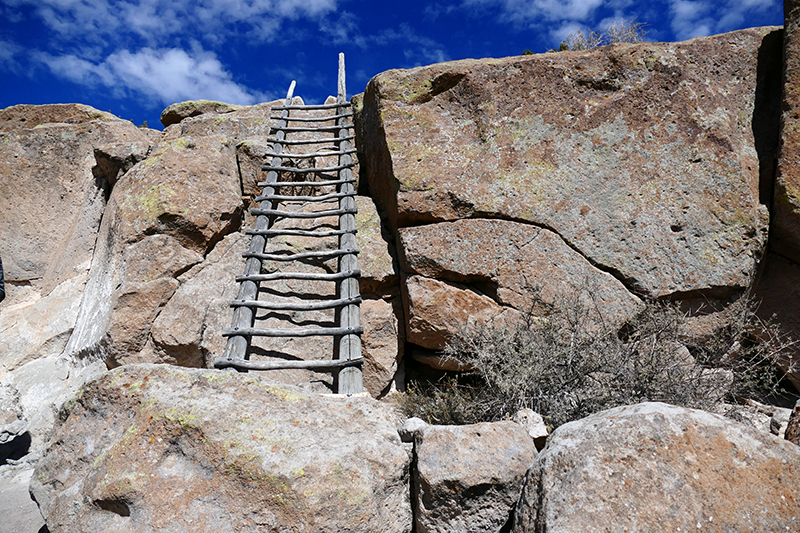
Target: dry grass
(553, 366)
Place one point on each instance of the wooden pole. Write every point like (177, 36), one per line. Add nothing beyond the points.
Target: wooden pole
(243, 317)
(349, 379)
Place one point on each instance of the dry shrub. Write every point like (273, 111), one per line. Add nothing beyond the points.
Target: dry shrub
(571, 363)
(619, 31)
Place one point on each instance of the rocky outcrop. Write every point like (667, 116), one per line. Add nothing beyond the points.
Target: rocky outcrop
(655, 467)
(55, 193)
(159, 448)
(786, 218)
(469, 478)
(637, 166)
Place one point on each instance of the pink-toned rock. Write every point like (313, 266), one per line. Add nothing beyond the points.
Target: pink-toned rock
(641, 157)
(192, 108)
(161, 448)
(54, 191)
(469, 478)
(137, 305)
(381, 344)
(522, 266)
(656, 467)
(435, 309)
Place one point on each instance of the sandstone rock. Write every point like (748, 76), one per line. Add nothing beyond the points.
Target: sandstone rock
(381, 344)
(188, 330)
(641, 157)
(469, 477)
(55, 191)
(157, 448)
(655, 467)
(137, 306)
(785, 230)
(518, 265)
(192, 108)
(436, 308)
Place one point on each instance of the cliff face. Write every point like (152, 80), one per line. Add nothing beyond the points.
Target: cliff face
(623, 173)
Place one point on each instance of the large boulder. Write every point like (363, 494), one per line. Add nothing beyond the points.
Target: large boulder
(656, 467)
(469, 478)
(641, 157)
(160, 448)
(54, 191)
(503, 264)
(785, 235)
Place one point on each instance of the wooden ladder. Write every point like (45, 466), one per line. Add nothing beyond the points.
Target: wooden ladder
(347, 368)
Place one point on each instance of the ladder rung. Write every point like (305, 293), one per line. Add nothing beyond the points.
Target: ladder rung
(311, 141)
(311, 276)
(313, 119)
(302, 255)
(310, 107)
(305, 170)
(297, 306)
(313, 129)
(304, 183)
(244, 364)
(302, 214)
(299, 332)
(335, 152)
(320, 198)
(300, 232)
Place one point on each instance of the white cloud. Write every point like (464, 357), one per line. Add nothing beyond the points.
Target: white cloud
(165, 75)
(157, 21)
(697, 18)
(535, 11)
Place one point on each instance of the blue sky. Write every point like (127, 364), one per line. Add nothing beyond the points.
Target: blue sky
(135, 57)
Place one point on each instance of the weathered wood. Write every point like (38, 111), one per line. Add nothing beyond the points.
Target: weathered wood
(350, 379)
(285, 198)
(330, 118)
(297, 232)
(302, 255)
(300, 275)
(297, 306)
(302, 214)
(303, 170)
(327, 365)
(237, 345)
(300, 332)
(306, 183)
(276, 140)
(311, 155)
(309, 107)
(311, 128)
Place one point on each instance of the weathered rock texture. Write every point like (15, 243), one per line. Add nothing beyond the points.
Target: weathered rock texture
(54, 193)
(158, 448)
(786, 218)
(655, 467)
(469, 478)
(636, 166)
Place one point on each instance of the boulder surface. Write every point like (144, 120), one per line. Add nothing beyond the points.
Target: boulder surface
(152, 448)
(656, 467)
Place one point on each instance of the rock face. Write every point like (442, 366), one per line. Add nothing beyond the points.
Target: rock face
(55, 193)
(469, 478)
(158, 448)
(786, 217)
(655, 467)
(637, 163)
